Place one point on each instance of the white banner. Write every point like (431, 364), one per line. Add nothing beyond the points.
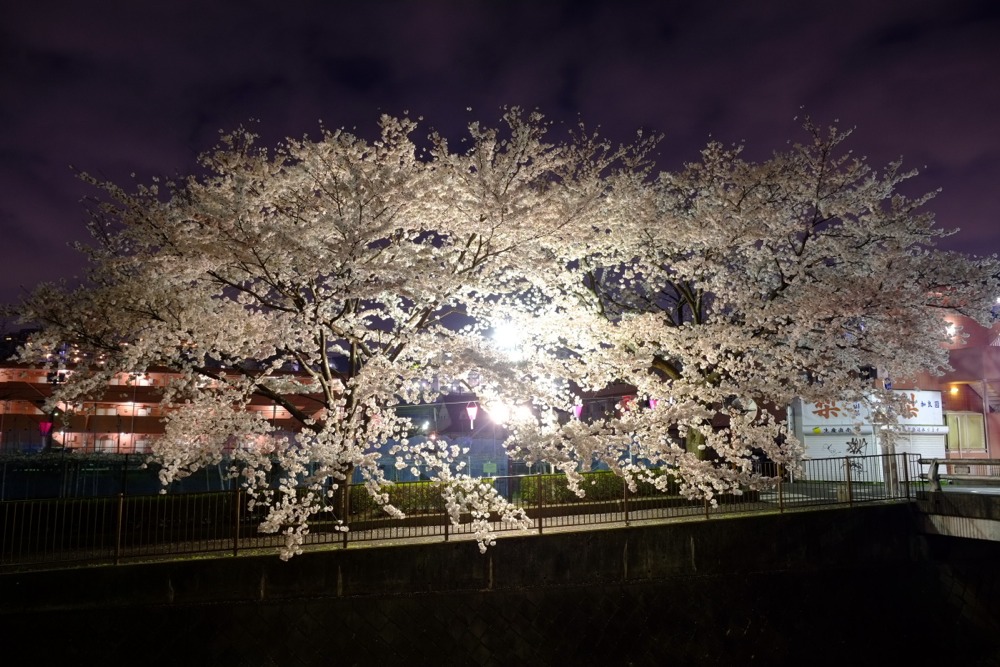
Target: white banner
(925, 410)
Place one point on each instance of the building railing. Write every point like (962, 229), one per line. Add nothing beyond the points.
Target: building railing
(60, 532)
(960, 470)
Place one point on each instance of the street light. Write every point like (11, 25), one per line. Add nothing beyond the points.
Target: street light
(54, 377)
(508, 339)
(499, 413)
(45, 430)
(472, 410)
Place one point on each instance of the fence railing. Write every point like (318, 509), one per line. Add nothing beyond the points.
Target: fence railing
(960, 470)
(69, 475)
(60, 532)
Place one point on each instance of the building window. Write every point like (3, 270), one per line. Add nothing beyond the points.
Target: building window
(106, 445)
(966, 432)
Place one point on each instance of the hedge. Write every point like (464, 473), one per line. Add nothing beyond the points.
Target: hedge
(410, 497)
(599, 486)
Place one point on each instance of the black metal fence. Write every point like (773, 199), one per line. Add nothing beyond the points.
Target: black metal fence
(57, 532)
(70, 475)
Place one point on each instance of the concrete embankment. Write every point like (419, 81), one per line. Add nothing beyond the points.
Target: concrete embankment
(810, 588)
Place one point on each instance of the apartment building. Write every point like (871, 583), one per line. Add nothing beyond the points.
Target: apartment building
(124, 419)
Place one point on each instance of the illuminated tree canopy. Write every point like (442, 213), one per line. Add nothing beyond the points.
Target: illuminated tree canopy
(381, 268)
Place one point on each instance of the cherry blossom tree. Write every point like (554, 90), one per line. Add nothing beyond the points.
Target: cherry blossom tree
(373, 267)
(730, 288)
(381, 268)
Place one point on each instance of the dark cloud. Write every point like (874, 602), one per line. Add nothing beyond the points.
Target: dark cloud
(145, 87)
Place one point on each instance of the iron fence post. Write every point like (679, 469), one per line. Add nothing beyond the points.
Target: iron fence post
(625, 498)
(124, 481)
(847, 473)
(539, 503)
(906, 476)
(346, 512)
(237, 503)
(118, 527)
(781, 497)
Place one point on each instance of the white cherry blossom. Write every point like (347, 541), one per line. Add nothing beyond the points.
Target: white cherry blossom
(338, 278)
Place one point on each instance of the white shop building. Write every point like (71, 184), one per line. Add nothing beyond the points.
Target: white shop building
(838, 430)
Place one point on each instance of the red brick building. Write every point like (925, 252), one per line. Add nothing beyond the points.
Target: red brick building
(971, 391)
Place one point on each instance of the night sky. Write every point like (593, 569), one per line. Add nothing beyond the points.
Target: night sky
(114, 88)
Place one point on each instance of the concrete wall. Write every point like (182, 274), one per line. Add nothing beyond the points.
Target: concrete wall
(810, 588)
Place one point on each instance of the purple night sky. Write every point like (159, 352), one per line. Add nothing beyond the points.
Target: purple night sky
(114, 88)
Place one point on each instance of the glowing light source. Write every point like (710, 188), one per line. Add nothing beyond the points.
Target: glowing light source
(499, 413)
(523, 412)
(508, 338)
(472, 410)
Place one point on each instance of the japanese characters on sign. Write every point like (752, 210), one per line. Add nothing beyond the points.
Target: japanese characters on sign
(923, 415)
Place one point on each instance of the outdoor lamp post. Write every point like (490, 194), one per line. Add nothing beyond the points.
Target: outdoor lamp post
(53, 377)
(472, 410)
(45, 429)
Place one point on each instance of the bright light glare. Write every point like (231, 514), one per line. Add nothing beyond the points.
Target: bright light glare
(523, 412)
(499, 413)
(502, 413)
(508, 339)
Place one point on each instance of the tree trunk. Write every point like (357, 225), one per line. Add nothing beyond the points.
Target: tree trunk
(342, 497)
(695, 439)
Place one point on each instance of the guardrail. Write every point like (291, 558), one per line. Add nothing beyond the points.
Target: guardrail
(968, 470)
(62, 532)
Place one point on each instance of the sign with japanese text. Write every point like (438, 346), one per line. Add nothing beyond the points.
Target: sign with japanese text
(924, 409)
